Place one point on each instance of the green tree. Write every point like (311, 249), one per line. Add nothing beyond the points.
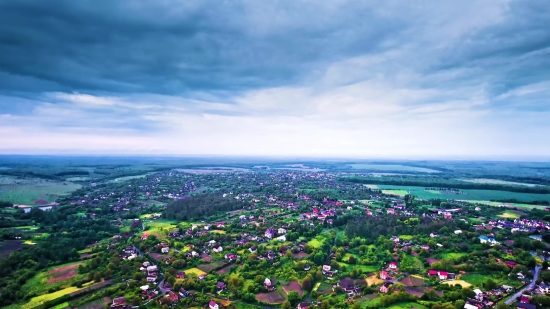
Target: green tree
(294, 298)
(286, 305)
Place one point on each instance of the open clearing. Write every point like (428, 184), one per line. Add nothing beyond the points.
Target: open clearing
(407, 305)
(274, 297)
(9, 246)
(39, 300)
(453, 255)
(315, 243)
(225, 269)
(463, 283)
(475, 279)
(62, 273)
(469, 195)
(509, 215)
(374, 280)
(210, 267)
(194, 271)
(293, 286)
(412, 281)
(35, 191)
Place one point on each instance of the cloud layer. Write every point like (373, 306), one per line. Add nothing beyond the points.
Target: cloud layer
(416, 79)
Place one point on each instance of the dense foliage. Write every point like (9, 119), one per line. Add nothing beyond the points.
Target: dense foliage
(445, 183)
(201, 205)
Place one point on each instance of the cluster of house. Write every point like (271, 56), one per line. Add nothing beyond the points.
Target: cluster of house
(442, 275)
(491, 240)
(520, 225)
(348, 286)
(129, 253)
(487, 299)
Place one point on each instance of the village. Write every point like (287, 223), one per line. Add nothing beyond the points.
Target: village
(306, 240)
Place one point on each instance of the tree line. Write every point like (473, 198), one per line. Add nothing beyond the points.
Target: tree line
(442, 183)
(201, 206)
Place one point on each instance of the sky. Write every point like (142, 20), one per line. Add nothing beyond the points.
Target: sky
(335, 78)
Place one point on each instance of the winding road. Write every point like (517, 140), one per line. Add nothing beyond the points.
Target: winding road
(529, 286)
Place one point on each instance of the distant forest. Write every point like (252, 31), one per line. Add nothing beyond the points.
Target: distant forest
(201, 206)
(372, 227)
(446, 183)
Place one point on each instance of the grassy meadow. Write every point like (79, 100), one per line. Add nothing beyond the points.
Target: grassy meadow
(470, 195)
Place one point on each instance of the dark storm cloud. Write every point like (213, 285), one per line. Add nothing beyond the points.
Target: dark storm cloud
(174, 47)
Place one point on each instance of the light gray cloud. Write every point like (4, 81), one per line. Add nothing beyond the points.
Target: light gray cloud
(361, 78)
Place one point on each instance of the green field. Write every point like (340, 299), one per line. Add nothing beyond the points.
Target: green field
(406, 305)
(453, 255)
(194, 271)
(316, 242)
(27, 192)
(475, 279)
(470, 195)
(38, 284)
(39, 300)
(160, 226)
(61, 306)
(509, 215)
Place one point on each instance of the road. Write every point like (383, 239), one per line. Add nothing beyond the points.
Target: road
(162, 290)
(528, 287)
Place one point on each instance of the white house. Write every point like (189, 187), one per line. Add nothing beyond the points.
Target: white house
(212, 242)
(213, 305)
(457, 232)
(218, 249)
(195, 254)
(281, 238)
(281, 231)
(165, 250)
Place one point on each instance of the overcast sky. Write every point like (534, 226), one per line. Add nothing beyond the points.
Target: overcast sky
(365, 79)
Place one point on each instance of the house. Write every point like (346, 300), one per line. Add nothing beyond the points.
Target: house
(269, 233)
(195, 254)
(525, 306)
(281, 231)
(151, 279)
(212, 242)
(165, 250)
(302, 306)
(393, 265)
(384, 275)
(212, 305)
(231, 257)
(543, 288)
(536, 237)
(385, 288)
(220, 285)
(180, 275)
(268, 285)
(434, 235)
(271, 255)
(307, 267)
(447, 215)
(347, 285)
(511, 264)
(458, 232)
(326, 268)
(281, 238)
(173, 295)
(484, 239)
(119, 302)
(443, 275)
(183, 292)
(252, 249)
(217, 248)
